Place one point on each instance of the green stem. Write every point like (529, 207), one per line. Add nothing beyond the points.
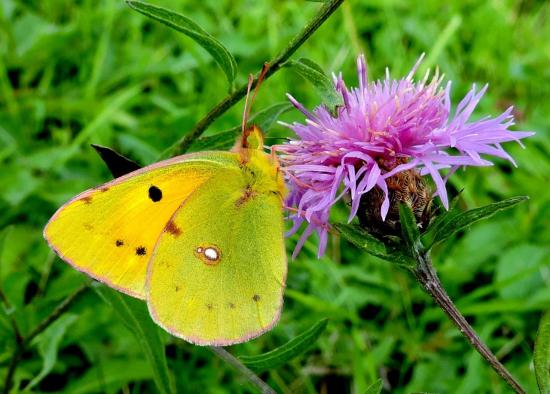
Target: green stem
(275, 65)
(251, 376)
(57, 312)
(15, 327)
(427, 276)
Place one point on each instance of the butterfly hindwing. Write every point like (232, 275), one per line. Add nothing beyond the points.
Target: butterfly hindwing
(218, 271)
(109, 232)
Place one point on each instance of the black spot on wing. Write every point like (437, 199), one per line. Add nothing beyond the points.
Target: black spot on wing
(256, 297)
(155, 194)
(119, 243)
(141, 251)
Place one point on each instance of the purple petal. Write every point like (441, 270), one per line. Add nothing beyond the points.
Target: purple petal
(386, 127)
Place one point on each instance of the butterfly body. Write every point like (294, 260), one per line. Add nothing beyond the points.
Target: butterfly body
(198, 236)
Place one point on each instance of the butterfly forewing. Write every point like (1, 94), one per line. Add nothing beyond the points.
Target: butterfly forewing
(109, 232)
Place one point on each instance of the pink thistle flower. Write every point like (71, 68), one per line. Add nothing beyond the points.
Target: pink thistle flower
(382, 129)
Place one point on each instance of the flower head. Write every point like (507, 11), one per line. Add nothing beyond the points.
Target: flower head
(384, 128)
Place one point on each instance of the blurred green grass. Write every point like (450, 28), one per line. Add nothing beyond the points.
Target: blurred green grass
(73, 73)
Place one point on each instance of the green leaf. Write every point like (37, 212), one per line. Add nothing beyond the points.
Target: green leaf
(265, 118)
(48, 345)
(8, 144)
(453, 221)
(315, 74)
(223, 140)
(520, 267)
(22, 181)
(363, 240)
(409, 230)
(186, 26)
(321, 306)
(375, 388)
(541, 356)
(110, 376)
(134, 314)
(286, 352)
(3, 235)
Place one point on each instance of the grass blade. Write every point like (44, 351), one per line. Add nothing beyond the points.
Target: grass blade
(48, 346)
(133, 313)
(541, 356)
(374, 388)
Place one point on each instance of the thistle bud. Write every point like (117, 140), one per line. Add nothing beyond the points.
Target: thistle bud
(405, 187)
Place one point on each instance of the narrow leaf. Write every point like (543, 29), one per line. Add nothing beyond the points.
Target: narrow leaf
(265, 118)
(219, 141)
(409, 229)
(541, 356)
(48, 344)
(321, 82)
(321, 306)
(365, 241)
(288, 351)
(226, 139)
(362, 239)
(3, 235)
(186, 26)
(134, 315)
(454, 220)
(375, 388)
(121, 373)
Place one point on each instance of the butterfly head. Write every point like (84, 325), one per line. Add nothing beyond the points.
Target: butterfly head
(262, 172)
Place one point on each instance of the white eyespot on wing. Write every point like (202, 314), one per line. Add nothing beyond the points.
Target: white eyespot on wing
(209, 255)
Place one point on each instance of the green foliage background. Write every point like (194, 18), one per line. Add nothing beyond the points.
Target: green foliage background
(73, 73)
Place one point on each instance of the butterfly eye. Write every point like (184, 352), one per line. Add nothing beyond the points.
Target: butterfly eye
(209, 255)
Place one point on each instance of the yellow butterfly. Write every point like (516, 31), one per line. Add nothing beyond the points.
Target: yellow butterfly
(198, 236)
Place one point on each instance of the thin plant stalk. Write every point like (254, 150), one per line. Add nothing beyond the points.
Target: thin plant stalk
(275, 65)
(427, 277)
(7, 307)
(251, 376)
(25, 341)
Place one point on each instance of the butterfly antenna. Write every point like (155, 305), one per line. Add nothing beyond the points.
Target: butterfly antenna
(260, 80)
(247, 105)
(246, 111)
